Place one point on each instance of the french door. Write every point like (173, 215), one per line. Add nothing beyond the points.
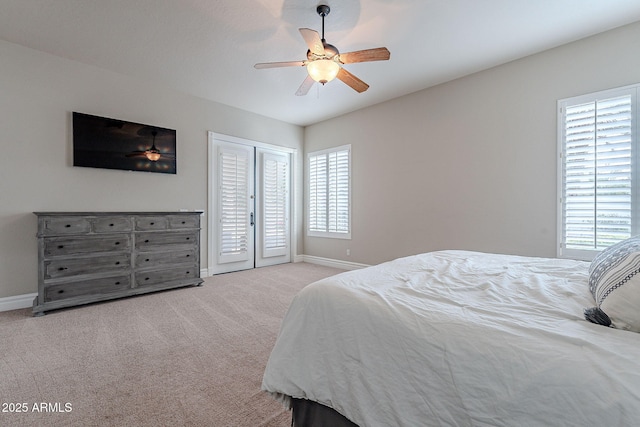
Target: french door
(250, 205)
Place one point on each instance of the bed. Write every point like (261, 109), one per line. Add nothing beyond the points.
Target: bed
(455, 338)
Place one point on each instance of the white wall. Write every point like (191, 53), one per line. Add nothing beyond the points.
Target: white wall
(470, 164)
(38, 92)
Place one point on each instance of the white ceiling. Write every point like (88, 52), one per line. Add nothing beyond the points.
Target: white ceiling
(208, 47)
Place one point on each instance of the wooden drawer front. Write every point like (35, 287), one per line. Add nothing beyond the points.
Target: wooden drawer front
(184, 221)
(112, 224)
(65, 225)
(154, 240)
(155, 259)
(146, 223)
(83, 245)
(163, 276)
(78, 266)
(93, 288)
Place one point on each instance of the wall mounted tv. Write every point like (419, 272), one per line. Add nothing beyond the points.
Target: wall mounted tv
(100, 142)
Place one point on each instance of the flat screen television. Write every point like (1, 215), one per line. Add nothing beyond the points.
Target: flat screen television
(100, 142)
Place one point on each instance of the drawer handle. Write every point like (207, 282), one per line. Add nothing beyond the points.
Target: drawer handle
(62, 268)
(188, 238)
(188, 255)
(68, 225)
(184, 222)
(188, 272)
(146, 278)
(110, 225)
(146, 260)
(146, 241)
(117, 243)
(61, 291)
(60, 246)
(117, 283)
(117, 262)
(152, 223)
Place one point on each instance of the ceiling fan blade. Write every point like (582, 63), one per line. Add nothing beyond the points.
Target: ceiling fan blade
(279, 64)
(305, 86)
(312, 38)
(377, 54)
(352, 81)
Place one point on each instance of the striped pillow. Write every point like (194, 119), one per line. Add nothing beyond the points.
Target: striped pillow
(614, 281)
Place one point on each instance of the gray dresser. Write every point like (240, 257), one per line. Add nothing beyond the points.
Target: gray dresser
(85, 257)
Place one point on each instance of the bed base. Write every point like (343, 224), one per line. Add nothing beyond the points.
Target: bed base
(307, 413)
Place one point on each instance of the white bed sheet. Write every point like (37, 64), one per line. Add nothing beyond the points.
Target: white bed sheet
(457, 338)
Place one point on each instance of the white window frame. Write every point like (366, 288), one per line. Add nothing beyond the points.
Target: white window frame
(326, 232)
(634, 92)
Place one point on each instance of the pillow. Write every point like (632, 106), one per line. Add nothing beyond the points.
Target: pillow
(614, 281)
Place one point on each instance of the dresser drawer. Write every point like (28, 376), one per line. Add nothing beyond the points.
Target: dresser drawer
(155, 259)
(183, 221)
(147, 223)
(58, 246)
(64, 225)
(93, 288)
(78, 266)
(111, 224)
(151, 241)
(163, 276)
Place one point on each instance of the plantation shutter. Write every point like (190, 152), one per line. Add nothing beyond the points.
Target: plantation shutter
(275, 184)
(338, 194)
(318, 193)
(234, 227)
(598, 187)
(329, 207)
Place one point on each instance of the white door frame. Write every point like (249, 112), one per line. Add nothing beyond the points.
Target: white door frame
(212, 196)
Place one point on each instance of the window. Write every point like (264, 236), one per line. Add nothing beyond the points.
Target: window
(329, 209)
(598, 144)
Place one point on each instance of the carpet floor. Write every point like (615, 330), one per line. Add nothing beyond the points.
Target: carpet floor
(186, 357)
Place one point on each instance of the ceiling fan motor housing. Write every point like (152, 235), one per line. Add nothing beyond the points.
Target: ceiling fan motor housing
(330, 52)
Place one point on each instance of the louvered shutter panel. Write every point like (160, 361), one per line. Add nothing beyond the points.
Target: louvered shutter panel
(329, 207)
(338, 194)
(318, 193)
(233, 178)
(275, 184)
(597, 173)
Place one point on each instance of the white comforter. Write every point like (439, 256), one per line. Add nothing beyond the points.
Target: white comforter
(457, 338)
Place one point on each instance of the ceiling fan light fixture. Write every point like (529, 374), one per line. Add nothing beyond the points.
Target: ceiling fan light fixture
(323, 70)
(153, 153)
(154, 156)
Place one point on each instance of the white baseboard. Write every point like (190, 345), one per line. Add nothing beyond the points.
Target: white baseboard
(26, 301)
(336, 263)
(17, 302)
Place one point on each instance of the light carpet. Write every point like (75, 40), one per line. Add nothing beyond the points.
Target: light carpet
(186, 357)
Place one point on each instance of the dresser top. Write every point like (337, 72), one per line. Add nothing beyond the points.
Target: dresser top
(154, 213)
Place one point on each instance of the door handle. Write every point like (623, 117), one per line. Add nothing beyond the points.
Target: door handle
(252, 223)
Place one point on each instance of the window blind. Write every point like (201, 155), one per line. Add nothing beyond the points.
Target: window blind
(329, 207)
(275, 210)
(338, 192)
(597, 171)
(234, 192)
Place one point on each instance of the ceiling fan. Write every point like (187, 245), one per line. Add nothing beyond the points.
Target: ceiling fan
(152, 154)
(324, 61)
